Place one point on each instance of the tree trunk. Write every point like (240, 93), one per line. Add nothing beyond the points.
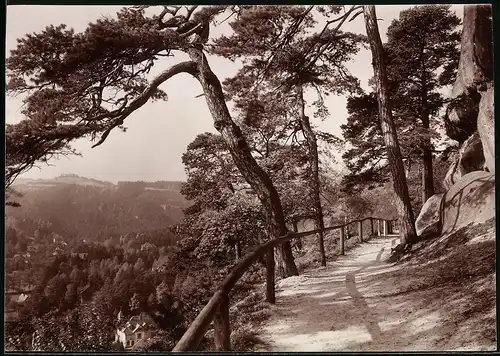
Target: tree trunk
(427, 172)
(403, 203)
(270, 272)
(248, 167)
(314, 166)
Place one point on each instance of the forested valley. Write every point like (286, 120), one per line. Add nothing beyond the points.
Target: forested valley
(82, 254)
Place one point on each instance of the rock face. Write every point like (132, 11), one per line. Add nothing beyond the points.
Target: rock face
(470, 200)
(428, 220)
(453, 174)
(460, 120)
(486, 128)
(470, 180)
(476, 54)
(475, 69)
(470, 158)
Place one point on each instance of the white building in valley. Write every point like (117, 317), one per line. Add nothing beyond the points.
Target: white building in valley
(137, 328)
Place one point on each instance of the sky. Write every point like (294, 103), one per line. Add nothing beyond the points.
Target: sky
(159, 132)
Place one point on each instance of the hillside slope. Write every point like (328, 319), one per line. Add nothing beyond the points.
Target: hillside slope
(78, 206)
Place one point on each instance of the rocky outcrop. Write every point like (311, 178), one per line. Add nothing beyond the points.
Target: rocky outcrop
(476, 55)
(469, 201)
(453, 174)
(475, 70)
(470, 180)
(486, 127)
(460, 120)
(428, 223)
(470, 158)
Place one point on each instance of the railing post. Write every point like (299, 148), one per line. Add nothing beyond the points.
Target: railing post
(298, 240)
(270, 276)
(222, 332)
(385, 227)
(372, 227)
(360, 230)
(342, 240)
(237, 250)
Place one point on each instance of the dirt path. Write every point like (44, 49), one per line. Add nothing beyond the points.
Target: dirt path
(350, 305)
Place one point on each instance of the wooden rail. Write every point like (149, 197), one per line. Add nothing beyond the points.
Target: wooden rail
(217, 308)
(19, 292)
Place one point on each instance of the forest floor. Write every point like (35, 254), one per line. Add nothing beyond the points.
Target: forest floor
(359, 302)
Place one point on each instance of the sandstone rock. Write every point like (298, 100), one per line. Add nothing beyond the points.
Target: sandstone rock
(475, 69)
(486, 128)
(453, 174)
(469, 201)
(428, 220)
(470, 158)
(460, 120)
(476, 49)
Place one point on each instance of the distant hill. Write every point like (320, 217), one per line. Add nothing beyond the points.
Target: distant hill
(88, 208)
(21, 183)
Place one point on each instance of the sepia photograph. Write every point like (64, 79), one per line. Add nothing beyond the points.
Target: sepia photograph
(249, 178)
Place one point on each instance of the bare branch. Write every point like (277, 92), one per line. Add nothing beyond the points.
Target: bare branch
(233, 12)
(356, 15)
(191, 31)
(190, 11)
(184, 67)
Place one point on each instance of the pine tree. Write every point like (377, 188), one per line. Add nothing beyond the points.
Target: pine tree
(406, 218)
(423, 42)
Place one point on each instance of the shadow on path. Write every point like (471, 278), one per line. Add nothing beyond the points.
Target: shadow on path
(356, 304)
(360, 302)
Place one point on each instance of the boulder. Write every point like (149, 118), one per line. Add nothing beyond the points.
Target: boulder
(470, 158)
(471, 200)
(428, 220)
(486, 128)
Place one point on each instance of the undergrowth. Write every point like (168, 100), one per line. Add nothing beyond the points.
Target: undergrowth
(456, 277)
(248, 310)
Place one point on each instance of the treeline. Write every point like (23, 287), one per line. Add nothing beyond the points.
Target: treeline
(61, 218)
(78, 296)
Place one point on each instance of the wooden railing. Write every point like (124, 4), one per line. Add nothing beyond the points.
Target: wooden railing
(217, 309)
